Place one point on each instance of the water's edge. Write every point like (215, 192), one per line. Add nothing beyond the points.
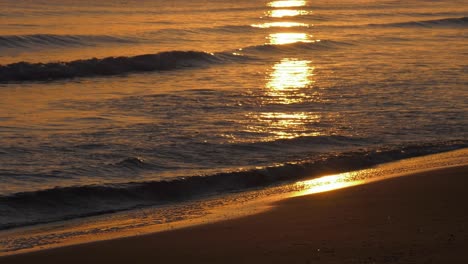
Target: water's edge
(208, 209)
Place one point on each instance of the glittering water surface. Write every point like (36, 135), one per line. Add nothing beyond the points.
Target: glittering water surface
(113, 101)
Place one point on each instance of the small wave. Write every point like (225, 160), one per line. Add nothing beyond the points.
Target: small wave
(31, 41)
(231, 29)
(133, 162)
(70, 202)
(304, 142)
(215, 30)
(25, 71)
(445, 22)
(297, 46)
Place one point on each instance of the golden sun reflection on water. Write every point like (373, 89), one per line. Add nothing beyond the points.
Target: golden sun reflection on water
(287, 3)
(290, 74)
(278, 13)
(287, 83)
(283, 125)
(280, 24)
(289, 125)
(288, 38)
(328, 183)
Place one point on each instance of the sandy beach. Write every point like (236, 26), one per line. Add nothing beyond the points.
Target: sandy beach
(418, 218)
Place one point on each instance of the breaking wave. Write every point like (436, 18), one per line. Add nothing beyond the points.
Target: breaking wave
(297, 46)
(170, 60)
(62, 203)
(25, 71)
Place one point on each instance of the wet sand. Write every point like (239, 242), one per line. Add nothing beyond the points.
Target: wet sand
(418, 218)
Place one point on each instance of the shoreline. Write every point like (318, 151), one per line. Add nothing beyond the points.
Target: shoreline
(149, 220)
(418, 217)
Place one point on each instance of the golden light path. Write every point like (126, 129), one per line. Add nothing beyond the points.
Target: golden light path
(284, 84)
(286, 119)
(278, 13)
(287, 81)
(280, 24)
(287, 3)
(284, 125)
(288, 38)
(290, 73)
(287, 125)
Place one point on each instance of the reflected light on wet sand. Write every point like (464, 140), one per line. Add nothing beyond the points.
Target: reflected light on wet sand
(287, 3)
(290, 74)
(328, 183)
(286, 13)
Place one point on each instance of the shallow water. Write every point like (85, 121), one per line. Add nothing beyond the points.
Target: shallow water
(208, 209)
(244, 93)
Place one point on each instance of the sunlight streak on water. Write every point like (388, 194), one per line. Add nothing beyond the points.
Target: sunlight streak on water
(282, 125)
(288, 38)
(287, 3)
(278, 13)
(285, 84)
(290, 74)
(280, 24)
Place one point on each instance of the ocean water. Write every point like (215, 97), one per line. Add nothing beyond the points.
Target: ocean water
(113, 105)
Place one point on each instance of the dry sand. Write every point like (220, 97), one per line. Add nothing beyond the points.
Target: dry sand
(421, 218)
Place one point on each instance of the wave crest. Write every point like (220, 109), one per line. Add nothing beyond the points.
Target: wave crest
(25, 71)
(295, 47)
(445, 22)
(69, 202)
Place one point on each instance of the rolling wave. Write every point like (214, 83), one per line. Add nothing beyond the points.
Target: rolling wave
(24, 71)
(195, 32)
(230, 29)
(297, 46)
(31, 41)
(310, 143)
(170, 60)
(61, 203)
(445, 22)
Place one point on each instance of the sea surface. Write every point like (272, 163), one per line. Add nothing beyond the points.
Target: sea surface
(113, 105)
